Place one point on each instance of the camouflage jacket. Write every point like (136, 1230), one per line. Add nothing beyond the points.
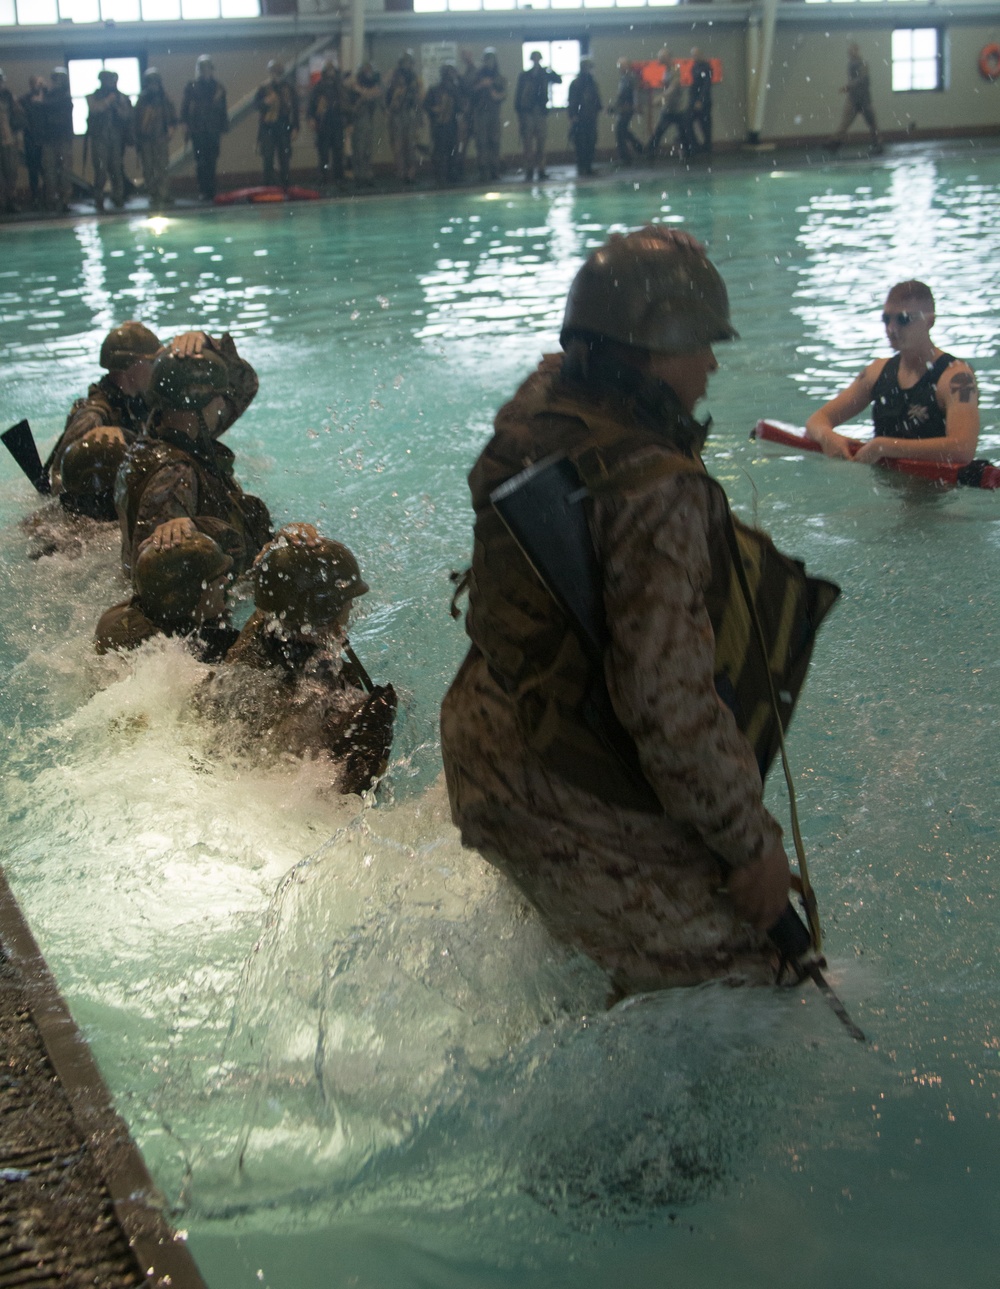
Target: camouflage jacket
(243, 382)
(323, 702)
(167, 475)
(105, 404)
(126, 626)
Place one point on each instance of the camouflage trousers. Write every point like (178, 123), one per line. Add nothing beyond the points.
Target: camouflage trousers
(109, 163)
(154, 154)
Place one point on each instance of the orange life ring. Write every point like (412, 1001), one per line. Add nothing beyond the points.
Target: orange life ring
(989, 62)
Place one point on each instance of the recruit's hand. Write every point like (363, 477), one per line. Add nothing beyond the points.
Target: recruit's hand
(189, 344)
(759, 891)
(100, 433)
(872, 452)
(172, 533)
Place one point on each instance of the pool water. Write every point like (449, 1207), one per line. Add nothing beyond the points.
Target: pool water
(348, 1052)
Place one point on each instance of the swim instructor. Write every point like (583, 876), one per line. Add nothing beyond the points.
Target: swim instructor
(671, 872)
(925, 404)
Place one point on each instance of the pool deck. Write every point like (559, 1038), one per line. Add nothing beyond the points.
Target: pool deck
(77, 1204)
(761, 158)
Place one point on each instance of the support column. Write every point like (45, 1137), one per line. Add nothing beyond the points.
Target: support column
(760, 47)
(357, 34)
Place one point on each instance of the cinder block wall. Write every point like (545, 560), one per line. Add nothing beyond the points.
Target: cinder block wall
(803, 102)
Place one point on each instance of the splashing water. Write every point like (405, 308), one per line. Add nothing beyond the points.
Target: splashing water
(346, 1047)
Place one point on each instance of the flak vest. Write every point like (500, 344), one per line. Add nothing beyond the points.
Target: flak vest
(560, 699)
(220, 496)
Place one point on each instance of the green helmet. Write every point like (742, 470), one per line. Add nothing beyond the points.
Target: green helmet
(126, 345)
(87, 472)
(170, 582)
(187, 384)
(306, 585)
(654, 289)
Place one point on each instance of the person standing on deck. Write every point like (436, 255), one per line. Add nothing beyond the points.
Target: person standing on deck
(924, 402)
(531, 103)
(110, 130)
(487, 91)
(699, 112)
(155, 118)
(584, 111)
(325, 112)
(205, 118)
(623, 109)
(33, 108)
(403, 98)
(11, 125)
(277, 105)
(444, 105)
(57, 141)
(672, 110)
(365, 97)
(624, 797)
(859, 100)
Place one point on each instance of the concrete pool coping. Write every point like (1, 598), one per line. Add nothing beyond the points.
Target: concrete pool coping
(77, 1196)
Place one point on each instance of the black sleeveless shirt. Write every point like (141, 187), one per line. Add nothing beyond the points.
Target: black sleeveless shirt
(909, 413)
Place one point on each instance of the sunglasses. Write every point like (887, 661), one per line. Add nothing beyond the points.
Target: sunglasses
(900, 319)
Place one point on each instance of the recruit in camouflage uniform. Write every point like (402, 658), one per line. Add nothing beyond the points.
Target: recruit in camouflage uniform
(304, 586)
(109, 130)
(402, 103)
(488, 89)
(205, 117)
(155, 118)
(177, 470)
(179, 591)
(637, 826)
(109, 418)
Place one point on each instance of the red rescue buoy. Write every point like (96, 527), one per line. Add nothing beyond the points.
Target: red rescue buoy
(989, 62)
(985, 476)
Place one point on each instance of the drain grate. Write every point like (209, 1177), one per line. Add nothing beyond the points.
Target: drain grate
(57, 1222)
(77, 1206)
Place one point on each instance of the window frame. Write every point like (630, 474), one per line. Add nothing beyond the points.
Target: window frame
(86, 56)
(535, 42)
(941, 79)
(32, 20)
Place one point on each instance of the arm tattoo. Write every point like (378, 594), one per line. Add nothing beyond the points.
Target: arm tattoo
(963, 386)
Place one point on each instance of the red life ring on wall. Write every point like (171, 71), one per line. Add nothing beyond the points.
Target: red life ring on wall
(989, 62)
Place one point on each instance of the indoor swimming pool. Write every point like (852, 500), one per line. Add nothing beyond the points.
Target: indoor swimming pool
(349, 1054)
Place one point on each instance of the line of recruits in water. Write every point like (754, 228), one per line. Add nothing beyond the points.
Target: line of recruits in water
(636, 651)
(142, 447)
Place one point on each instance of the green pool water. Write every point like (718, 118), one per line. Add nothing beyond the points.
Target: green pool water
(348, 1054)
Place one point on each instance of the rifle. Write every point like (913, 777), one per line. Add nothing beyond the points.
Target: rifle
(541, 509)
(20, 443)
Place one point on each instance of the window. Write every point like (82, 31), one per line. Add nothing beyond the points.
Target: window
(83, 81)
(916, 59)
(563, 56)
(439, 6)
(43, 12)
